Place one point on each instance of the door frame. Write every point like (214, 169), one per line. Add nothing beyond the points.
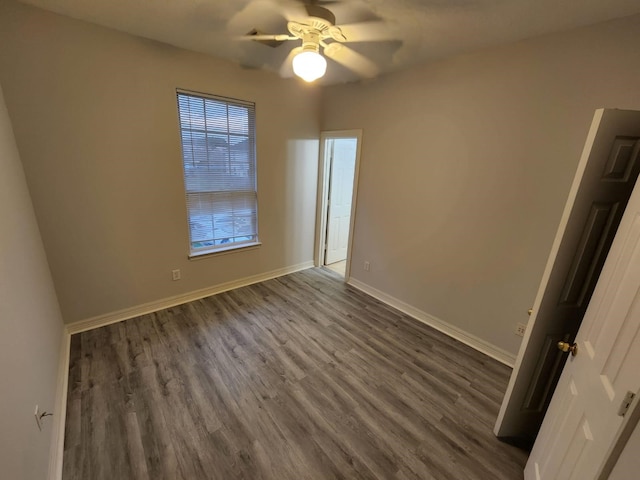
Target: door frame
(631, 421)
(324, 174)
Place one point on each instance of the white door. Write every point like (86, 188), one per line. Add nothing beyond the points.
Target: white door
(583, 418)
(603, 183)
(342, 170)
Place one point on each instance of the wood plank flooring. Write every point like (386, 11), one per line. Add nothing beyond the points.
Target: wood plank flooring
(338, 267)
(301, 377)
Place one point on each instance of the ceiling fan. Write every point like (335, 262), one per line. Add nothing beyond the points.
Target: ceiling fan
(316, 26)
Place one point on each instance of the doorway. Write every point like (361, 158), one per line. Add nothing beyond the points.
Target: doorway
(338, 180)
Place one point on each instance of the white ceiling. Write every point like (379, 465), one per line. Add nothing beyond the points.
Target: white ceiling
(421, 30)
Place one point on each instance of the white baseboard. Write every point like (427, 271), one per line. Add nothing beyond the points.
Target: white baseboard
(60, 410)
(477, 343)
(120, 315)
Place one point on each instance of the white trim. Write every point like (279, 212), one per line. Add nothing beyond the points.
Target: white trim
(211, 252)
(468, 339)
(321, 205)
(629, 424)
(131, 312)
(56, 451)
(323, 190)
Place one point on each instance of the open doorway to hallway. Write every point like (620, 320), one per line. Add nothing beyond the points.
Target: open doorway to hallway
(339, 161)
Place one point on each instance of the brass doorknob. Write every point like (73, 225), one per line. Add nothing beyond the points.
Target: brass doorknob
(530, 311)
(568, 347)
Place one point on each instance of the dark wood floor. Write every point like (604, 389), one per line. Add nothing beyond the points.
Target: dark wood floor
(301, 377)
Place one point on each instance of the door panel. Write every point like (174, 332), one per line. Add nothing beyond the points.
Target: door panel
(575, 426)
(545, 375)
(604, 180)
(590, 254)
(583, 421)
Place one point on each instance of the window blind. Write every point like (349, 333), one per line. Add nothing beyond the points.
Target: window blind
(219, 164)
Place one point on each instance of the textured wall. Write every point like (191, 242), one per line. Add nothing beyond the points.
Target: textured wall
(94, 114)
(30, 323)
(466, 165)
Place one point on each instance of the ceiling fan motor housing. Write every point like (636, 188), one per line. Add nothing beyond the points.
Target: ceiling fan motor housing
(319, 22)
(321, 13)
(311, 42)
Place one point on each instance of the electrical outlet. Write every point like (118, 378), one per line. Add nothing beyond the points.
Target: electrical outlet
(367, 266)
(36, 414)
(520, 329)
(175, 274)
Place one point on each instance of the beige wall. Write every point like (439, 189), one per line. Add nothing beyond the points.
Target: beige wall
(466, 165)
(30, 323)
(94, 114)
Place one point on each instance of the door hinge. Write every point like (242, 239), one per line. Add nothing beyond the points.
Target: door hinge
(626, 403)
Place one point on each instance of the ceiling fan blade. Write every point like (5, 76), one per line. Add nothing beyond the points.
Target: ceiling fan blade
(352, 60)
(277, 38)
(286, 70)
(375, 31)
(293, 10)
(353, 11)
(262, 13)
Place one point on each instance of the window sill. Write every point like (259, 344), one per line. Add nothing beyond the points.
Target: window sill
(224, 251)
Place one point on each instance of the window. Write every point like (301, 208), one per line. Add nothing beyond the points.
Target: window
(219, 160)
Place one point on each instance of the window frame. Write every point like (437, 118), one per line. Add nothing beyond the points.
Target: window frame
(199, 252)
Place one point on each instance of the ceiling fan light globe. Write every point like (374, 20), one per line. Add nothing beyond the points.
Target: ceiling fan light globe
(309, 66)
